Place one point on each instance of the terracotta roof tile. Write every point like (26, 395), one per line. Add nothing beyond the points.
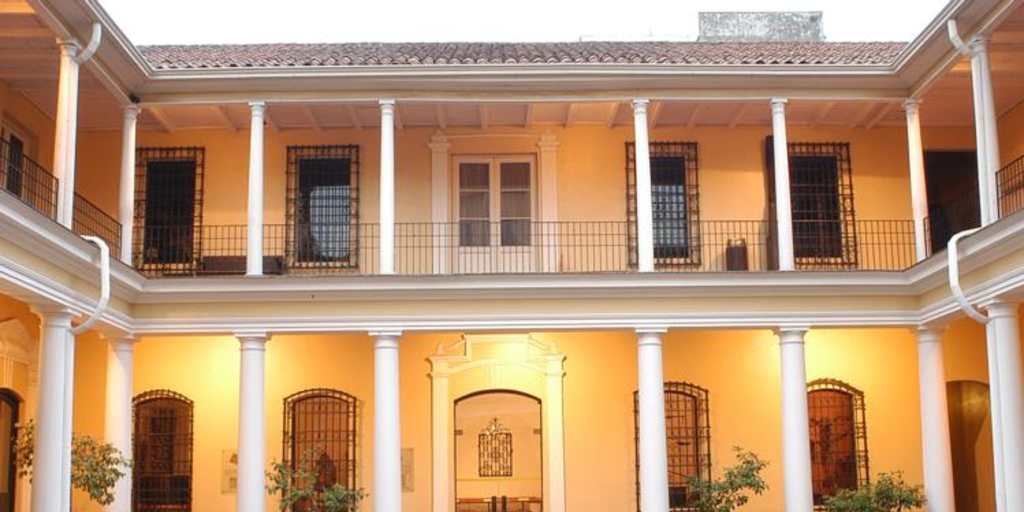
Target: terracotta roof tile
(470, 54)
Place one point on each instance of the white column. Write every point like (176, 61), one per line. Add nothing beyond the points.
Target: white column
(996, 411)
(118, 418)
(554, 434)
(69, 414)
(66, 132)
(992, 157)
(653, 453)
(980, 127)
(387, 186)
(1003, 316)
(796, 437)
(126, 196)
(387, 441)
(938, 458)
(252, 423)
(439, 203)
(644, 201)
(254, 248)
(918, 188)
(783, 207)
(47, 488)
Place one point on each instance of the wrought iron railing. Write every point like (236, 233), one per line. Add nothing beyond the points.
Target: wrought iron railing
(873, 245)
(1010, 180)
(502, 248)
(30, 182)
(942, 223)
(89, 219)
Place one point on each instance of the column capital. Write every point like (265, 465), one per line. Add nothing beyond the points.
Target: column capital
(792, 333)
(53, 314)
(387, 105)
(1001, 309)
(252, 340)
(439, 142)
(640, 105)
(257, 107)
(912, 105)
(548, 141)
(928, 334)
(978, 44)
(385, 333)
(779, 105)
(131, 111)
(69, 47)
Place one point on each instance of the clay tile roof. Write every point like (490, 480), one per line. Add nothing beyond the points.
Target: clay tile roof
(471, 54)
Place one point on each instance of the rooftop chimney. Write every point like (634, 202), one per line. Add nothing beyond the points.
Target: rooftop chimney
(752, 27)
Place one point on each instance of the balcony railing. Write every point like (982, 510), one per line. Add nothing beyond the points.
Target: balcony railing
(506, 248)
(1010, 180)
(89, 219)
(27, 180)
(942, 223)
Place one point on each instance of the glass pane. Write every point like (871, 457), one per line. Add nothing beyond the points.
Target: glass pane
(474, 205)
(474, 233)
(475, 176)
(515, 175)
(515, 233)
(515, 205)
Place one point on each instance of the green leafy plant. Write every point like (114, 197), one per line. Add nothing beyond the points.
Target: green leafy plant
(888, 494)
(95, 465)
(734, 488)
(307, 485)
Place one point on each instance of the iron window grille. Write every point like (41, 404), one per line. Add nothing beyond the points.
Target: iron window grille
(821, 201)
(162, 447)
(839, 443)
(10, 406)
(169, 208)
(494, 446)
(322, 207)
(322, 424)
(687, 437)
(675, 201)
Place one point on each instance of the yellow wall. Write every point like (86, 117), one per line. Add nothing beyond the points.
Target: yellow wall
(19, 111)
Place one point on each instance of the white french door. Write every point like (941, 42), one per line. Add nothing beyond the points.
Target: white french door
(495, 205)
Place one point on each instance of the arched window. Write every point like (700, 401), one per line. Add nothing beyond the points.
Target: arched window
(839, 443)
(322, 423)
(162, 445)
(9, 406)
(688, 440)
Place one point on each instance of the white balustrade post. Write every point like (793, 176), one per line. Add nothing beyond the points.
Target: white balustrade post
(66, 132)
(126, 194)
(48, 452)
(653, 451)
(387, 440)
(783, 202)
(254, 249)
(252, 423)
(1004, 317)
(935, 440)
(644, 193)
(387, 186)
(918, 188)
(796, 436)
(118, 417)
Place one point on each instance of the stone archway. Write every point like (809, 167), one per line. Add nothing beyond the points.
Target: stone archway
(513, 362)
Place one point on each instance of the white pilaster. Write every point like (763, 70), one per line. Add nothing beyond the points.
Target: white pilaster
(992, 157)
(996, 411)
(252, 423)
(548, 147)
(653, 452)
(796, 438)
(387, 441)
(47, 467)
(118, 417)
(126, 194)
(254, 248)
(918, 188)
(938, 458)
(644, 195)
(66, 132)
(553, 429)
(440, 429)
(387, 186)
(1003, 316)
(440, 149)
(783, 206)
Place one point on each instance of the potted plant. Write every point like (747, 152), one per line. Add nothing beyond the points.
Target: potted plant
(95, 465)
(310, 485)
(889, 494)
(734, 488)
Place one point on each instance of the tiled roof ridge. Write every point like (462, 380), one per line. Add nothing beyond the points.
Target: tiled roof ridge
(275, 55)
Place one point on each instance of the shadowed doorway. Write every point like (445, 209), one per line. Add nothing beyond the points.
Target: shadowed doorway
(498, 452)
(970, 432)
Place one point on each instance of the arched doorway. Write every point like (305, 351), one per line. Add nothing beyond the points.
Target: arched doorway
(9, 406)
(970, 432)
(498, 452)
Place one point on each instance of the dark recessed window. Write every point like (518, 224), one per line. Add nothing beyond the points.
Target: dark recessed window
(322, 206)
(839, 454)
(674, 197)
(321, 424)
(162, 448)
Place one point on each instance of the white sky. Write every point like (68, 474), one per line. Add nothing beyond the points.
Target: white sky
(305, 21)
